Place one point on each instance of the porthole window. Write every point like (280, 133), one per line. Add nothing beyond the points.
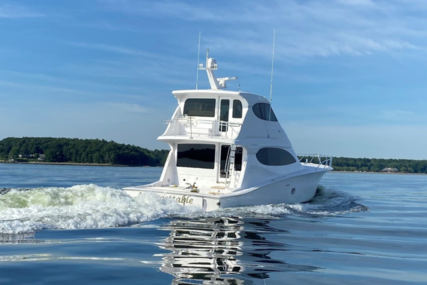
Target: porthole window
(262, 111)
(274, 156)
(237, 109)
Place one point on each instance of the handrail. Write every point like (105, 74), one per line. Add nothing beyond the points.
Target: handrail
(211, 128)
(322, 160)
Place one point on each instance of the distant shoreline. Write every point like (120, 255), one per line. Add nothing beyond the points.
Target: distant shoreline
(78, 152)
(117, 165)
(72, 163)
(370, 172)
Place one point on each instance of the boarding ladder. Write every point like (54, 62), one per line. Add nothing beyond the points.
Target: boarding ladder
(229, 163)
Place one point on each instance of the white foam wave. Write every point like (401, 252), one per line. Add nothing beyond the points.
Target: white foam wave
(92, 206)
(329, 202)
(82, 206)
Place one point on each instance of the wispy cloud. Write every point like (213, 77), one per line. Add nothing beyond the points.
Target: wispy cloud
(399, 116)
(49, 81)
(125, 107)
(133, 64)
(49, 89)
(55, 93)
(105, 25)
(304, 29)
(9, 11)
(181, 10)
(111, 48)
(364, 3)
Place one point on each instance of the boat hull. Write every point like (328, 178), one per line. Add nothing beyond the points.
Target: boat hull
(296, 189)
(293, 190)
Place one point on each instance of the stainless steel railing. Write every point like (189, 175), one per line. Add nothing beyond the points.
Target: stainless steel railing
(190, 126)
(321, 160)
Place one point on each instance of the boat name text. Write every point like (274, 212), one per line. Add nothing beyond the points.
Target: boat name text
(182, 200)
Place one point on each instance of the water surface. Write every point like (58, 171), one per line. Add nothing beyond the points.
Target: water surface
(75, 226)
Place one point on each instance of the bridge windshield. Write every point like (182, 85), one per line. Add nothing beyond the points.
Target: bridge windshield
(200, 107)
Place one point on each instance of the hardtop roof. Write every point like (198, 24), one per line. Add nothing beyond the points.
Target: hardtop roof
(250, 97)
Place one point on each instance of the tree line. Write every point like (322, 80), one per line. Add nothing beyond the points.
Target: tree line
(376, 165)
(80, 151)
(109, 152)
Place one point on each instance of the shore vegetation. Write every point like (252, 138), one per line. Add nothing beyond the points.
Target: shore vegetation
(102, 152)
(88, 151)
(379, 165)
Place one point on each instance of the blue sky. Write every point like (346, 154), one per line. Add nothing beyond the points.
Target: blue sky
(350, 75)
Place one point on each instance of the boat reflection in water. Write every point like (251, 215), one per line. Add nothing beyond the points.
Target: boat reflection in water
(222, 251)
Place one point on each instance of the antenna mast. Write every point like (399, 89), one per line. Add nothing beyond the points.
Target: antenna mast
(211, 66)
(198, 62)
(272, 70)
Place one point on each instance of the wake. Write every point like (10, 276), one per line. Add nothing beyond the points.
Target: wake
(90, 206)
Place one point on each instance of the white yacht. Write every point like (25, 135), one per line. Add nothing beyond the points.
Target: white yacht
(227, 149)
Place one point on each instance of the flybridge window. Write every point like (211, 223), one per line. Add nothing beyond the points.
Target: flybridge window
(196, 156)
(262, 111)
(237, 109)
(199, 107)
(274, 156)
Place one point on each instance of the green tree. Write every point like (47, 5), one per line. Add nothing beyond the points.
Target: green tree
(14, 153)
(83, 151)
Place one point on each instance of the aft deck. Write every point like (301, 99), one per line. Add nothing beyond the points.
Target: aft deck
(216, 190)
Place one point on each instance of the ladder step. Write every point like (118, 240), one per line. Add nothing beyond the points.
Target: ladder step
(229, 163)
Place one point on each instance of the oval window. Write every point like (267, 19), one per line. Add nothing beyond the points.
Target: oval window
(262, 111)
(274, 156)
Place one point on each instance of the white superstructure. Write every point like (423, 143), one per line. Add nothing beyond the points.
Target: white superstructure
(228, 149)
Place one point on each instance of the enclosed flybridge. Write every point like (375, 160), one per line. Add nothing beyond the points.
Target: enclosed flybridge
(227, 149)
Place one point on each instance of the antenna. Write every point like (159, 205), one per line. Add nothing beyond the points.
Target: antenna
(272, 70)
(198, 62)
(211, 66)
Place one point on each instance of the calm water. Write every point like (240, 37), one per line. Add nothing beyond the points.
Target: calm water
(75, 227)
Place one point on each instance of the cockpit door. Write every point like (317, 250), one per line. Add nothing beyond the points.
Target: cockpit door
(225, 151)
(230, 162)
(224, 115)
